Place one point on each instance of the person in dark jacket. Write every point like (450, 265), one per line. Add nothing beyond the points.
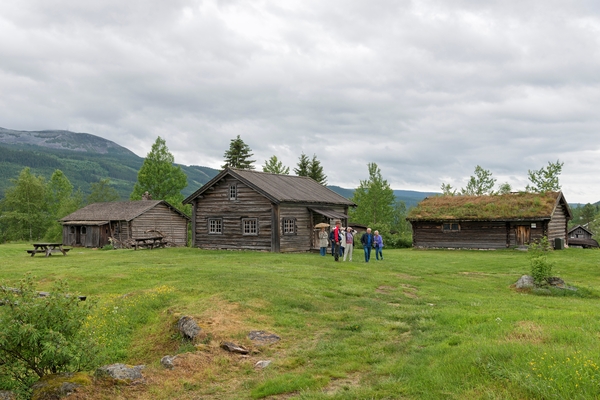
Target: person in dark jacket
(367, 241)
(337, 235)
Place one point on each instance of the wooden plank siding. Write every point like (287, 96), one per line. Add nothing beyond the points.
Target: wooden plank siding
(249, 204)
(557, 227)
(488, 234)
(301, 239)
(161, 218)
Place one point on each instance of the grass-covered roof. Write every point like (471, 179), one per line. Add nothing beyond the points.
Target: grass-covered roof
(513, 206)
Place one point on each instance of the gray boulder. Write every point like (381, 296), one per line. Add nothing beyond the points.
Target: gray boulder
(263, 337)
(188, 327)
(7, 395)
(167, 362)
(262, 364)
(234, 348)
(120, 372)
(525, 282)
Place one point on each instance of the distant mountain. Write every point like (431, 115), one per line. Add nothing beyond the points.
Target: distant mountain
(84, 158)
(410, 197)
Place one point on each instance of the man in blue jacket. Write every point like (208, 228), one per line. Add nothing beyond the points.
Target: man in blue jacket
(367, 241)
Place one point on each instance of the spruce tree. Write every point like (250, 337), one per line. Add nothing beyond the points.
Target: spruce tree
(238, 155)
(316, 171)
(303, 165)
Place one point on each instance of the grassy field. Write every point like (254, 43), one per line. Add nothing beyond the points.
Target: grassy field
(418, 325)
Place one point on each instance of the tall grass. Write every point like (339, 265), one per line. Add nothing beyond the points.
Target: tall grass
(421, 324)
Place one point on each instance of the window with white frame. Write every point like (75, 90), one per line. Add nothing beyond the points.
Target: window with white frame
(250, 226)
(289, 226)
(215, 226)
(233, 192)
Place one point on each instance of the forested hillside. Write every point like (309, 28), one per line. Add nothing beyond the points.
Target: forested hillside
(83, 158)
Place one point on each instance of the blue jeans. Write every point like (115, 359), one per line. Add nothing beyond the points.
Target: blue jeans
(367, 253)
(323, 250)
(378, 253)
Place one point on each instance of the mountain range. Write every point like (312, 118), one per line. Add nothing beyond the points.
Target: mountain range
(85, 158)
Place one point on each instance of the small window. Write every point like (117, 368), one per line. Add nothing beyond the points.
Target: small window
(289, 226)
(450, 227)
(233, 192)
(83, 230)
(72, 229)
(215, 226)
(250, 226)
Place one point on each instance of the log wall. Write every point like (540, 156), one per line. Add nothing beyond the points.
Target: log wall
(215, 203)
(558, 225)
(161, 218)
(476, 235)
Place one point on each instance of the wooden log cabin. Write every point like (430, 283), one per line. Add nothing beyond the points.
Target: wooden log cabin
(92, 225)
(489, 222)
(250, 210)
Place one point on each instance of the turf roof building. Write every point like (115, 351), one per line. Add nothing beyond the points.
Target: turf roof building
(244, 209)
(489, 222)
(92, 225)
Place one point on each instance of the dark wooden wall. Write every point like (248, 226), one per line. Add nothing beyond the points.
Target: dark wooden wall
(163, 219)
(484, 235)
(215, 203)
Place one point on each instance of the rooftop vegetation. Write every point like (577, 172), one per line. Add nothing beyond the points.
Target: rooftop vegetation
(495, 207)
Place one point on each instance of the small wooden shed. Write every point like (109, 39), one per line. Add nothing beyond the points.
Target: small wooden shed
(580, 232)
(489, 222)
(244, 209)
(580, 236)
(92, 225)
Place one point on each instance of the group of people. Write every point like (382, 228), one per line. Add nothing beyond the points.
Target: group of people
(342, 242)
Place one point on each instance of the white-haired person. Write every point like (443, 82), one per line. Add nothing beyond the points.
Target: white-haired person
(378, 244)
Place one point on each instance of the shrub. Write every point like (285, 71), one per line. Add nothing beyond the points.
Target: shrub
(41, 335)
(541, 268)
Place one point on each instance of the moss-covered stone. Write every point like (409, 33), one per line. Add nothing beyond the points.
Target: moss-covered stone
(56, 386)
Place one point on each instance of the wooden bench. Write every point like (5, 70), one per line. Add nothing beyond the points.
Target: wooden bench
(47, 252)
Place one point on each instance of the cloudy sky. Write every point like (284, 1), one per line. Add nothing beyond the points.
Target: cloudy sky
(426, 89)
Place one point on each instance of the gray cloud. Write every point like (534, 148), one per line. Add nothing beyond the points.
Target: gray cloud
(426, 89)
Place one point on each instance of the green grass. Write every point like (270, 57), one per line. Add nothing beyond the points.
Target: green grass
(419, 325)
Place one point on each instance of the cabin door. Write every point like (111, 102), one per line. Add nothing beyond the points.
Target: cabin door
(523, 234)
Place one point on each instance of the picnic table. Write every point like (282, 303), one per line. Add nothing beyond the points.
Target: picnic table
(149, 242)
(48, 249)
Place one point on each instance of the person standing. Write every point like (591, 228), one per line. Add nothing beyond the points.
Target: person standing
(349, 244)
(336, 237)
(323, 242)
(378, 241)
(342, 241)
(367, 241)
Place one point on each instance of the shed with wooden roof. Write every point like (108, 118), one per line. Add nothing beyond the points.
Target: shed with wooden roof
(92, 225)
(245, 209)
(489, 222)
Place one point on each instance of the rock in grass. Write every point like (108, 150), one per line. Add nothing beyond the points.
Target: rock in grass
(167, 362)
(7, 395)
(56, 386)
(120, 372)
(525, 282)
(263, 337)
(262, 364)
(234, 348)
(188, 327)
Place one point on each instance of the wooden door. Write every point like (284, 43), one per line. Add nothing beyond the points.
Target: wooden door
(523, 234)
